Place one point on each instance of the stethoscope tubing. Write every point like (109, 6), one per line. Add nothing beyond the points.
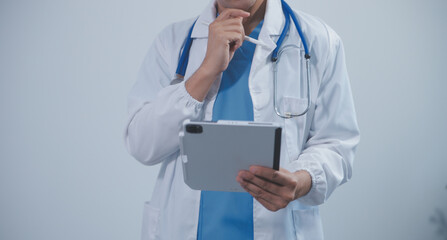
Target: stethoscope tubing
(289, 115)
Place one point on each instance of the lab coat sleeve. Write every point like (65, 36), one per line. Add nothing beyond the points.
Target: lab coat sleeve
(156, 107)
(328, 154)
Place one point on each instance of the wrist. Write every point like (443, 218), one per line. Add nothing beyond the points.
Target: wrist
(207, 71)
(200, 82)
(304, 183)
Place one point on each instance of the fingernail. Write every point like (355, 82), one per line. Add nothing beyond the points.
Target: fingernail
(252, 170)
(242, 176)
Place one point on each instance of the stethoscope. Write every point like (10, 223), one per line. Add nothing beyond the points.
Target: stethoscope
(276, 54)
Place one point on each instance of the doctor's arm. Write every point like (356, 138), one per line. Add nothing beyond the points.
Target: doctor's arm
(156, 107)
(328, 154)
(327, 158)
(226, 35)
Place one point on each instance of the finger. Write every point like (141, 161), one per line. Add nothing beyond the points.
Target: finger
(234, 28)
(259, 193)
(262, 183)
(232, 21)
(232, 36)
(272, 175)
(233, 48)
(286, 193)
(233, 13)
(234, 39)
(267, 205)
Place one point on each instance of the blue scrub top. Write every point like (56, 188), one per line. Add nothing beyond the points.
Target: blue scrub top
(229, 215)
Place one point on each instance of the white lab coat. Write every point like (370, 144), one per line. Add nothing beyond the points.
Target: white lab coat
(321, 142)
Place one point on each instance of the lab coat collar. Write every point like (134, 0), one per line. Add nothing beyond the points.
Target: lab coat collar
(273, 24)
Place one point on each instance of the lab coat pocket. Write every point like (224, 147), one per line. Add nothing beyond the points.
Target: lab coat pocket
(151, 216)
(294, 127)
(308, 224)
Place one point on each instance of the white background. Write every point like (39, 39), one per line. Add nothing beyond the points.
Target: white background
(66, 68)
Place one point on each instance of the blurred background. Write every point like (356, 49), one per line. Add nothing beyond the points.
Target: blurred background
(66, 68)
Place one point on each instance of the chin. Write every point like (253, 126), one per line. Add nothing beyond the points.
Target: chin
(238, 4)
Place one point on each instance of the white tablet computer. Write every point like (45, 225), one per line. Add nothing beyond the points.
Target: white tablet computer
(214, 152)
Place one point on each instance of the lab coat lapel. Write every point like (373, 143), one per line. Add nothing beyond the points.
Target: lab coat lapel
(206, 17)
(261, 76)
(272, 27)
